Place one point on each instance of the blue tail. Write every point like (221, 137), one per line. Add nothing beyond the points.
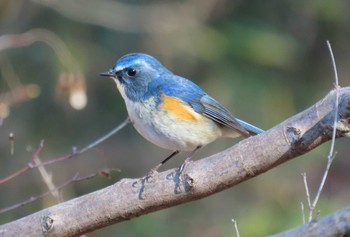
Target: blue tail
(252, 129)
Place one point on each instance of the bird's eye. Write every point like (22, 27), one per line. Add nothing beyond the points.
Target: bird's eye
(131, 72)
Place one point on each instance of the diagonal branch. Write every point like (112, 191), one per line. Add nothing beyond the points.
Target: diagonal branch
(125, 200)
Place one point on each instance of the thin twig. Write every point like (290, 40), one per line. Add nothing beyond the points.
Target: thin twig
(308, 196)
(333, 63)
(88, 147)
(12, 143)
(331, 154)
(32, 165)
(302, 212)
(236, 227)
(306, 189)
(36, 153)
(47, 178)
(14, 175)
(105, 137)
(74, 179)
(324, 177)
(331, 151)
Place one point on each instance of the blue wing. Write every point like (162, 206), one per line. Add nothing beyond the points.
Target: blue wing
(205, 105)
(215, 111)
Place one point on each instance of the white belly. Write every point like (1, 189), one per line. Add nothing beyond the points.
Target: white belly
(167, 131)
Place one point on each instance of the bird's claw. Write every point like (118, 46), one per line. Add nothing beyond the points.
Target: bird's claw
(149, 176)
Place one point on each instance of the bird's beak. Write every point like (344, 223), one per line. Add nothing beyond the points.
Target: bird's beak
(107, 74)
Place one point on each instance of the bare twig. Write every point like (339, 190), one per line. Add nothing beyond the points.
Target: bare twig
(12, 143)
(306, 189)
(74, 179)
(14, 175)
(106, 173)
(47, 178)
(311, 207)
(236, 226)
(32, 165)
(323, 181)
(302, 211)
(331, 154)
(105, 137)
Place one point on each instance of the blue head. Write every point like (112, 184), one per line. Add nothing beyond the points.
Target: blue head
(133, 74)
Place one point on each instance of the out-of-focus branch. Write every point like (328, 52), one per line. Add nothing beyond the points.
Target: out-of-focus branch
(335, 224)
(46, 177)
(164, 23)
(18, 92)
(75, 153)
(9, 41)
(71, 81)
(116, 15)
(74, 179)
(249, 158)
(26, 168)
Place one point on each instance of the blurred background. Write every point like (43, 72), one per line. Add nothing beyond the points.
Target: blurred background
(264, 60)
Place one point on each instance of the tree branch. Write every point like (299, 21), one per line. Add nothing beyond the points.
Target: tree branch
(125, 200)
(335, 224)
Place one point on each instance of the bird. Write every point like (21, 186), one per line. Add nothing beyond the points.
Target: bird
(171, 111)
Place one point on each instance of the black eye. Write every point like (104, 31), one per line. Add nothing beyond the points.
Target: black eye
(131, 72)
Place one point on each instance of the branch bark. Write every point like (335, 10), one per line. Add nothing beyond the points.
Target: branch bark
(335, 224)
(129, 198)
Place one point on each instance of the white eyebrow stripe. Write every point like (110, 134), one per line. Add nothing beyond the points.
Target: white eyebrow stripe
(119, 68)
(134, 62)
(139, 62)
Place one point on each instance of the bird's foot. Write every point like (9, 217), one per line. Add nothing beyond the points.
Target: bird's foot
(182, 168)
(148, 178)
(183, 165)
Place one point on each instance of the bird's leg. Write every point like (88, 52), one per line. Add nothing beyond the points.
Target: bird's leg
(182, 166)
(154, 169)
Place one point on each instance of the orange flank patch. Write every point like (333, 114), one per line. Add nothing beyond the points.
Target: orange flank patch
(179, 108)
